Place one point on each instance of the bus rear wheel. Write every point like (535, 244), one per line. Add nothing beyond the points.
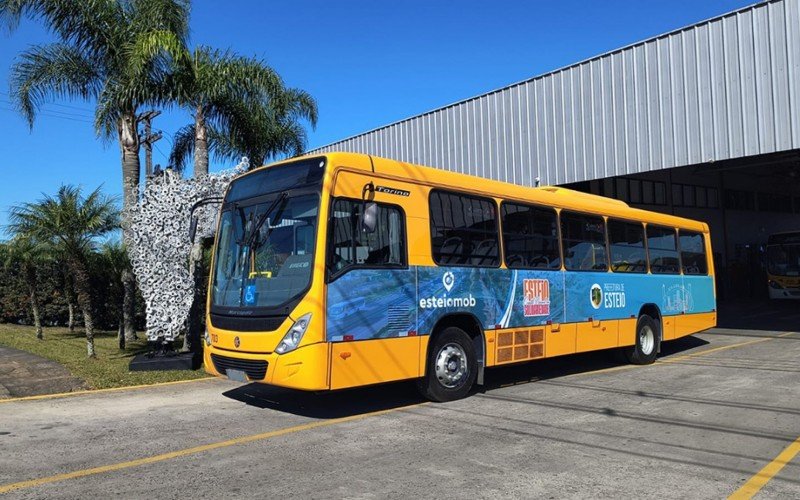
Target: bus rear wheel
(645, 350)
(451, 366)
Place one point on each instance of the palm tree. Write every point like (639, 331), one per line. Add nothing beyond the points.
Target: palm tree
(115, 262)
(114, 52)
(27, 256)
(71, 223)
(240, 108)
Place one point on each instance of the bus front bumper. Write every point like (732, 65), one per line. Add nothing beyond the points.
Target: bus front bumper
(305, 368)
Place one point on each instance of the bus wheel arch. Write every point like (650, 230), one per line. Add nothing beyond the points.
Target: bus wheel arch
(462, 335)
(654, 312)
(648, 336)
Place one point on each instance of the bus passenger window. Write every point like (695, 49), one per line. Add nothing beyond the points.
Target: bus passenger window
(693, 253)
(584, 238)
(530, 237)
(663, 250)
(463, 230)
(626, 245)
(349, 245)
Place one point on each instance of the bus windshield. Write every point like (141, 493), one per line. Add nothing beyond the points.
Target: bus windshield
(265, 244)
(783, 260)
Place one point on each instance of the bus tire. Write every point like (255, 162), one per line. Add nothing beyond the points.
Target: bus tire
(645, 350)
(451, 366)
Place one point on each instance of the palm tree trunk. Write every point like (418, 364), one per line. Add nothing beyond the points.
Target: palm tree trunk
(200, 143)
(83, 291)
(71, 320)
(30, 277)
(129, 147)
(128, 305)
(35, 309)
(69, 294)
(121, 331)
(191, 339)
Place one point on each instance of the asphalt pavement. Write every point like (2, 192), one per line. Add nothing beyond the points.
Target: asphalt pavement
(702, 422)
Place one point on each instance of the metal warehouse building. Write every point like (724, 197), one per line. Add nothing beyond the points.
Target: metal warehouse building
(702, 122)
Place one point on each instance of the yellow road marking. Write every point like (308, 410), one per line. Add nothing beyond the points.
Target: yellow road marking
(196, 449)
(99, 391)
(769, 471)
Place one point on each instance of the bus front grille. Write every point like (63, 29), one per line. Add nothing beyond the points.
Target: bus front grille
(255, 369)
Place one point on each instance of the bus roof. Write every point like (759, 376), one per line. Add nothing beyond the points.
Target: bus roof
(546, 195)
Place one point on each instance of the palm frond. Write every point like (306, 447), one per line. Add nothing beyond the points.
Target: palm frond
(51, 71)
(182, 147)
(68, 220)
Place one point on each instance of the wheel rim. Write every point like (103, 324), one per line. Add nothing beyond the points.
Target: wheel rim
(647, 340)
(451, 366)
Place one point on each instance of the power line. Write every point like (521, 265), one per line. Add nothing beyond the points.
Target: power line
(60, 105)
(166, 158)
(50, 115)
(68, 113)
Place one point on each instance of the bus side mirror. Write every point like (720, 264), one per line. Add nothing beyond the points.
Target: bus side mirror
(369, 219)
(192, 228)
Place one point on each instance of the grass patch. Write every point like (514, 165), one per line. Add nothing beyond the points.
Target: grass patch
(110, 369)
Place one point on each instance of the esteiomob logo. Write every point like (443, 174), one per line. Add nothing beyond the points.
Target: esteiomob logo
(448, 280)
(434, 302)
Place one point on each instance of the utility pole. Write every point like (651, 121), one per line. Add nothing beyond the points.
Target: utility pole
(148, 138)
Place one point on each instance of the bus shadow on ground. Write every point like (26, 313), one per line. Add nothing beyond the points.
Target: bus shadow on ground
(363, 400)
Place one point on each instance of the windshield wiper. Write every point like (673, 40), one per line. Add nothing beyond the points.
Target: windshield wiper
(254, 232)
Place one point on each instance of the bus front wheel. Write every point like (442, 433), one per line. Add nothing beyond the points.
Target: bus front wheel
(451, 366)
(645, 350)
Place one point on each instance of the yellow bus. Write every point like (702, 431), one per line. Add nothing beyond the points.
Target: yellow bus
(345, 270)
(783, 265)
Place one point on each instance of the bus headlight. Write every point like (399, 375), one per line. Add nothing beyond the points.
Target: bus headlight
(294, 335)
(207, 337)
(775, 285)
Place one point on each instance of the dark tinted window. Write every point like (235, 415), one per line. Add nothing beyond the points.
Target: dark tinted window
(663, 250)
(463, 230)
(530, 237)
(279, 178)
(584, 242)
(352, 246)
(693, 253)
(626, 245)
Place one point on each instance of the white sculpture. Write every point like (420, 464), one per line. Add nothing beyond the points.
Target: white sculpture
(160, 248)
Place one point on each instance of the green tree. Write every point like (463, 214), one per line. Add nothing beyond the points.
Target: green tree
(71, 223)
(115, 262)
(27, 256)
(240, 107)
(117, 53)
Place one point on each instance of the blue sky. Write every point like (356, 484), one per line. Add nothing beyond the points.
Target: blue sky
(368, 63)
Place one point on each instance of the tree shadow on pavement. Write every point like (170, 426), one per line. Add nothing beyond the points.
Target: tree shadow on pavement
(350, 402)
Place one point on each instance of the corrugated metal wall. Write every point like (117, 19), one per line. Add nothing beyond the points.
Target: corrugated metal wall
(723, 88)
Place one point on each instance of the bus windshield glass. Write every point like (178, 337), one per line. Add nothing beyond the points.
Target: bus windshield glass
(265, 244)
(783, 259)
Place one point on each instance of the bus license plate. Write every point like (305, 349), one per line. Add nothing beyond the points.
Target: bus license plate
(237, 375)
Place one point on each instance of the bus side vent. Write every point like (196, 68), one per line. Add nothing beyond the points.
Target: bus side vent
(519, 345)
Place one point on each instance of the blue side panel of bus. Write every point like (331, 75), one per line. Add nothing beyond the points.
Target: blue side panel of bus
(367, 304)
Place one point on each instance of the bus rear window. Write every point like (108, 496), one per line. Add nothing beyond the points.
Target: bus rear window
(663, 250)
(693, 253)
